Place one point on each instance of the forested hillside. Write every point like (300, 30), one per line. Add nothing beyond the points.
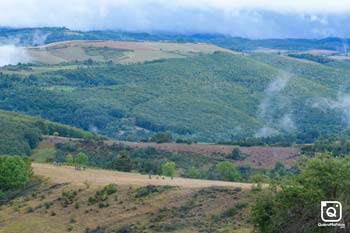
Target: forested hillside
(207, 97)
(21, 133)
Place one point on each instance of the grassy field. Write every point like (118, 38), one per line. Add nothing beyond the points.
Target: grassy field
(67, 174)
(44, 151)
(117, 51)
(134, 205)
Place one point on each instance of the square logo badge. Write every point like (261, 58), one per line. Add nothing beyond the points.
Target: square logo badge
(331, 211)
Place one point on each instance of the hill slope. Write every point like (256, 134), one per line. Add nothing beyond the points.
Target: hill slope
(56, 207)
(21, 133)
(205, 97)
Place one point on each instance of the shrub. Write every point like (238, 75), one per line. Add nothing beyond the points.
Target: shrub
(102, 195)
(193, 172)
(295, 201)
(150, 189)
(162, 137)
(102, 204)
(47, 205)
(236, 154)
(110, 189)
(30, 209)
(68, 197)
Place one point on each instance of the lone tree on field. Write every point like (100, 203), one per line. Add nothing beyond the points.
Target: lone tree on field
(70, 159)
(81, 160)
(168, 169)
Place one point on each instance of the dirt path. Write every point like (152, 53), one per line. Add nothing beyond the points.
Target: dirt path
(103, 177)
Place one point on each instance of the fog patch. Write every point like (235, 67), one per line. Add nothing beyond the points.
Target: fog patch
(266, 131)
(286, 123)
(39, 38)
(277, 85)
(13, 50)
(93, 129)
(341, 104)
(12, 55)
(270, 104)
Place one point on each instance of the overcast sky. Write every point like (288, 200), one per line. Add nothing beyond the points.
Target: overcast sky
(245, 18)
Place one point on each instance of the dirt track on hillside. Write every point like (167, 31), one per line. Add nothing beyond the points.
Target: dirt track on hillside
(67, 174)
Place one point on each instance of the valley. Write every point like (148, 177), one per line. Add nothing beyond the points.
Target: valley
(128, 132)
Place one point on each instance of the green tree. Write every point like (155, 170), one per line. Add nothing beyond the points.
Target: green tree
(15, 172)
(70, 159)
(89, 61)
(259, 178)
(295, 201)
(82, 159)
(168, 169)
(236, 154)
(245, 170)
(193, 172)
(122, 161)
(228, 171)
(279, 169)
(59, 156)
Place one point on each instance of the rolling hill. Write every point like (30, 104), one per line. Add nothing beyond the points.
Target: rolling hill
(61, 207)
(21, 133)
(116, 51)
(196, 91)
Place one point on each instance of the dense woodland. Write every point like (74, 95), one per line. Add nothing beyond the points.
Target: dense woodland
(213, 98)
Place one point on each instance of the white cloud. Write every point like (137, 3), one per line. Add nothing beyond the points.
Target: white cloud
(253, 18)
